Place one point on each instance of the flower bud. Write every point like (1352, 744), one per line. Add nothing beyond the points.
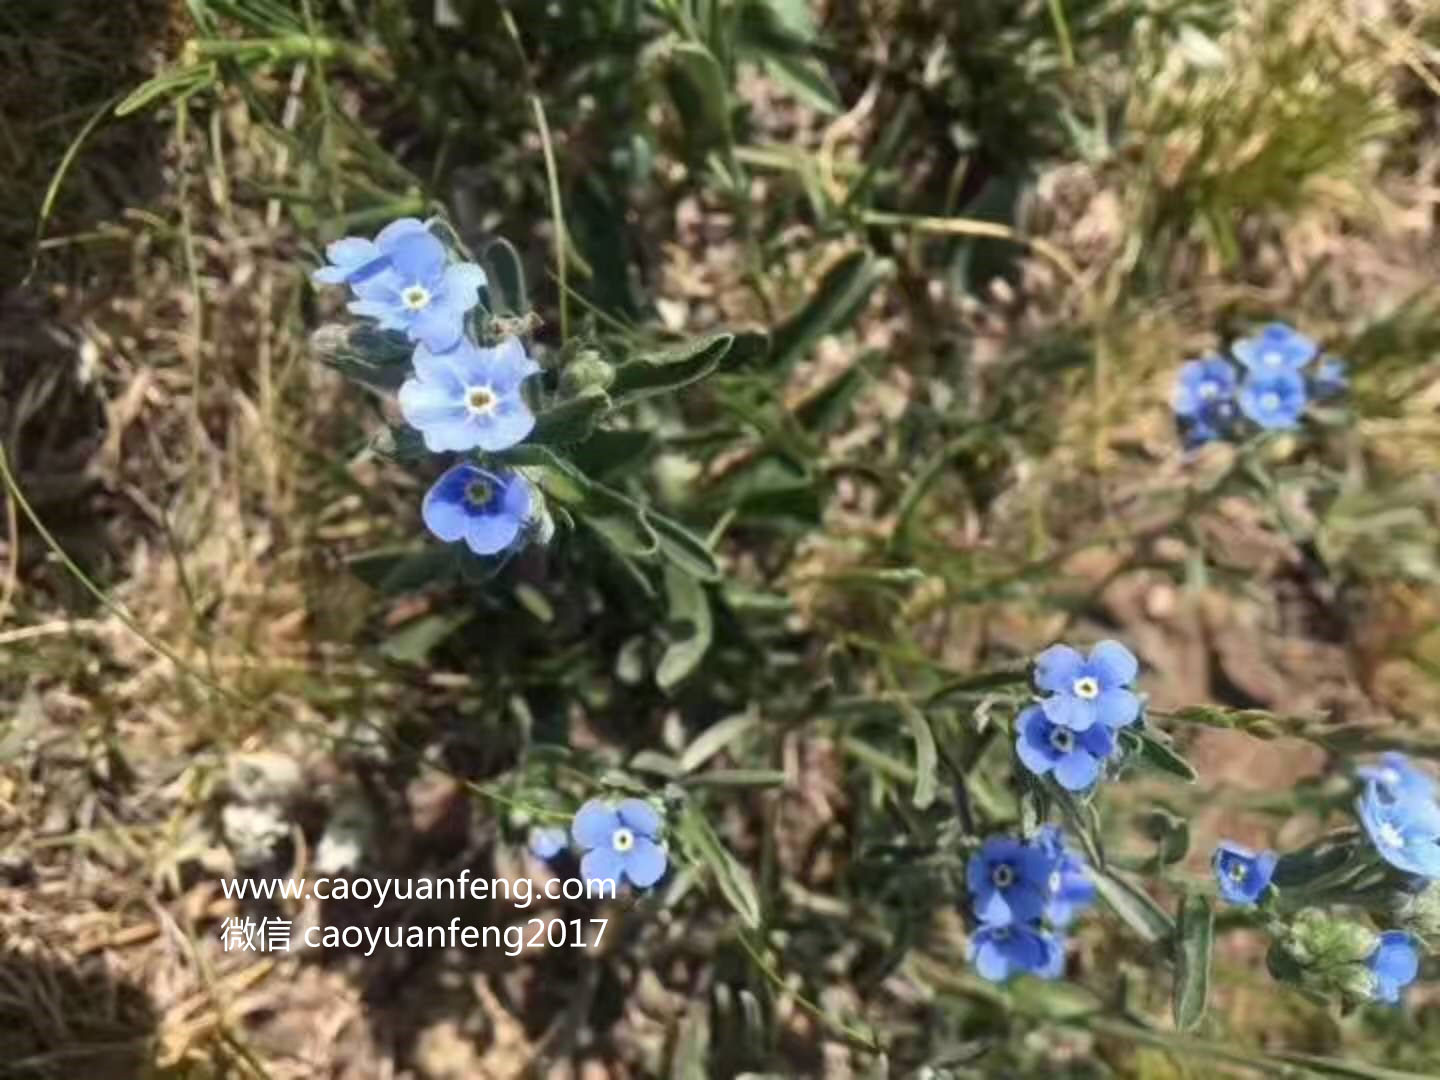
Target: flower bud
(1416, 909)
(588, 369)
(1325, 955)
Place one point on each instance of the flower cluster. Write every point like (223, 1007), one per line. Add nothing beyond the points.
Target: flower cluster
(1071, 732)
(461, 396)
(620, 843)
(1271, 386)
(1024, 894)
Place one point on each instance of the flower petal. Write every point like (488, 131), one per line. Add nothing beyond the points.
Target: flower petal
(439, 327)
(1116, 708)
(508, 425)
(990, 960)
(993, 908)
(490, 534)
(594, 825)
(424, 402)
(443, 514)
(604, 864)
(1077, 771)
(1098, 739)
(352, 252)
(1396, 960)
(463, 282)
(637, 814)
(1057, 668)
(389, 236)
(419, 258)
(645, 863)
(1070, 712)
(1038, 759)
(1113, 664)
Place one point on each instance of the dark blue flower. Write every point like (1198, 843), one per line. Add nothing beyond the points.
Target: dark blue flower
(1009, 881)
(469, 397)
(1000, 952)
(1241, 874)
(1394, 963)
(546, 842)
(1075, 757)
(1275, 348)
(1086, 690)
(1201, 385)
(1404, 827)
(1330, 378)
(1401, 777)
(404, 279)
(1274, 400)
(1070, 887)
(1212, 421)
(620, 842)
(488, 509)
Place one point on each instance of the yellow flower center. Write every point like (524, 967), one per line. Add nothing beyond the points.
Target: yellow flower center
(478, 492)
(1086, 688)
(1270, 401)
(481, 400)
(416, 297)
(622, 840)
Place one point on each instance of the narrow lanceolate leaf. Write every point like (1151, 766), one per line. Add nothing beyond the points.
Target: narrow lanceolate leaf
(836, 301)
(506, 272)
(690, 622)
(926, 755)
(715, 738)
(703, 847)
(1156, 751)
(1134, 906)
(662, 372)
(571, 421)
(1193, 940)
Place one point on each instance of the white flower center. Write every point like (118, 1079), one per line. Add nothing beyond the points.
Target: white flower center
(1390, 836)
(1272, 358)
(1270, 402)
(1002, 876)
(481, 401)
(1062, 739)
(416, 297)
(1086, 687)
(1208, 390)
(1390, 777)
(1238, 872)
(1054, 881)
(622, 839)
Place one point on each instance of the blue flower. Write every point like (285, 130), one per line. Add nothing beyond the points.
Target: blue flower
(469, 397)
(999, 952)
(1330, 378)
(1274, 400)
(1241, 874)
(620, 842)
(1009, 881)
(1275, 348)
(1404, 828)
(1201, 385)
(1400, 776)
(548, 841)
(487, 509)
(1212, 421)
(1070, 887)
(1394, 963)
(405, 280)
(1075, 757)
(1086, 690)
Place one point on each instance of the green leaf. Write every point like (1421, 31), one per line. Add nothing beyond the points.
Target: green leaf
(833, 306)
(807, 79)
(715, 738)
(1171, 834)
(506, 274)
(1193, 941)
(608, 450)
(926, 755)
(1082, 821)
(412, 643)
(1155, 751)
(1319, 859)
(1134, 906)
(689, 617)
(663, 372)
(682, 548)
(571, 421)
(828, 406)
(704, 848)
(699, 90)
(181, 82)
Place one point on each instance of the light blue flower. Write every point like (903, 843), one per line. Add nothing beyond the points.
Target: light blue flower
(1086, 690)
(1070, 888)
(1074, 757)
(1202, 384)
(1330, 378)
(469, 398)
(1405, 828)
(620, 842)
(546, 842)
(1275, 348)
(404, 279)
(1009, 881)
(1274, 400)
(1241, 874)
(488, 509)
(1394, 963)
(1000, 952)
(1400, 776)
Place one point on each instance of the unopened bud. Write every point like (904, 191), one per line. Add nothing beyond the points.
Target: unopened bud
(588, 369)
